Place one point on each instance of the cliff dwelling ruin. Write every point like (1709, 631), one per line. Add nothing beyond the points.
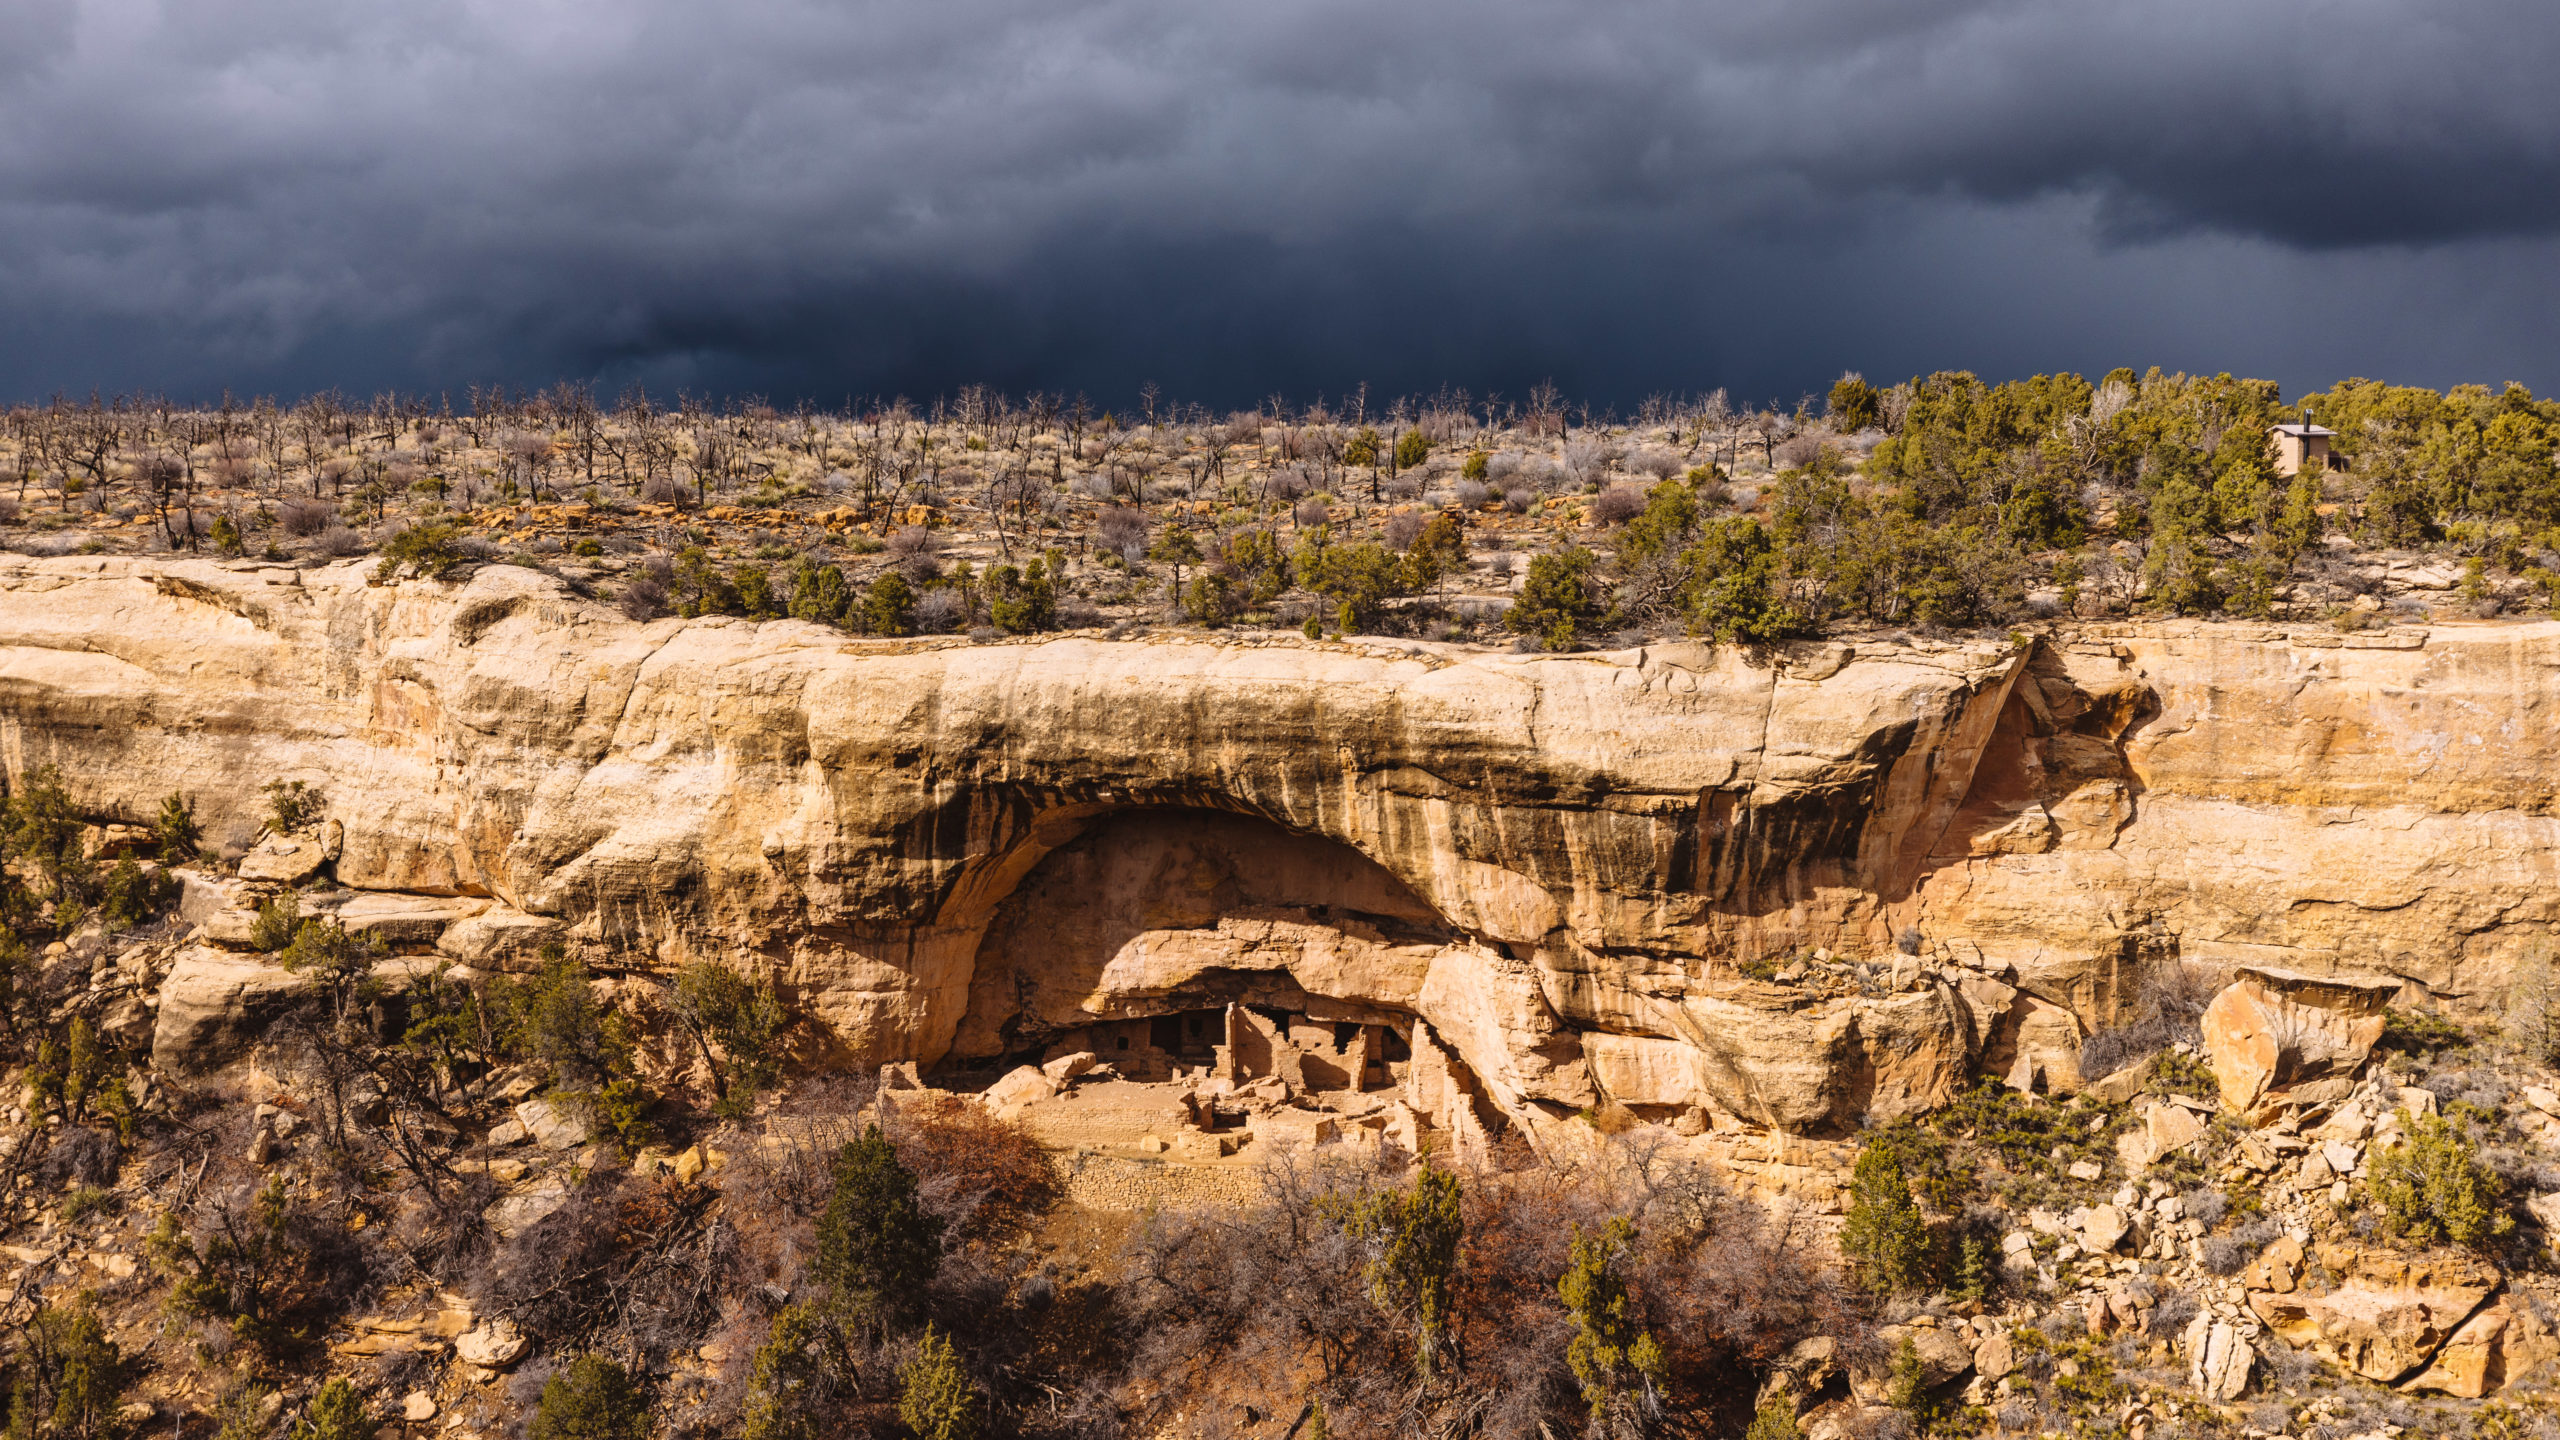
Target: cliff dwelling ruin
(1193, 981)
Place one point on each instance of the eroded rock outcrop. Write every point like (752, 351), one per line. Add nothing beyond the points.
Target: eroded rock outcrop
(2389, 1314)
(1555, 871)
(2377, 804)
(2280, 1039)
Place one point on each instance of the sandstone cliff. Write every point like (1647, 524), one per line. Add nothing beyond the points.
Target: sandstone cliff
(1555, 863)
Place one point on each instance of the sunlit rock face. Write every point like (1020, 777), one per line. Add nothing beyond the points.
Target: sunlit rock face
(1588, 879)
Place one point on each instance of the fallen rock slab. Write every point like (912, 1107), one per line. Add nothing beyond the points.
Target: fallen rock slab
(2037, 1046)
(2120, 1087)
(1023, 1085)
(402, 919)
(1068, 1067)
(499, 938)
(2472, 1362)
(233, 927)
(215, 1005)
(2218, 1358)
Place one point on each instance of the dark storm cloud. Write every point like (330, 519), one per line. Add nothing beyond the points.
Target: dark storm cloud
(813, 199)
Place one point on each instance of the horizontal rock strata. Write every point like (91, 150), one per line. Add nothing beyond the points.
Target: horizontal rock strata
(1605, 878)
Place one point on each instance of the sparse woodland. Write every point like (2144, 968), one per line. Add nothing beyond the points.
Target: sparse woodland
(1939, 503)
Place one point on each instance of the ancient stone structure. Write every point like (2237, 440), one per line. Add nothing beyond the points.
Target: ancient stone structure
(1776, 891)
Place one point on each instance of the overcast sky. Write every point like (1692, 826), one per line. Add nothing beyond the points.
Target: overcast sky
(1241, 199)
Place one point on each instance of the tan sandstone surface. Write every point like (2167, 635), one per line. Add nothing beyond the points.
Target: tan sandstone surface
(1547, 867)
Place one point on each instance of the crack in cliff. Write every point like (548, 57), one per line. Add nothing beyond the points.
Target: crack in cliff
(622, 713)
(1746, 836)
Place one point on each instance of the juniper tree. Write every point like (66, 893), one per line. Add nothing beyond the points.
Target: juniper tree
(877, 1246)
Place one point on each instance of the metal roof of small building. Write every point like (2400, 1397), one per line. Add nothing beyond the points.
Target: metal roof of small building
(2292, 429)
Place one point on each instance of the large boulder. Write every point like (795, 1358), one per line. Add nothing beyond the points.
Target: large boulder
(1944, 1359)
(498, 938)
(1996, 1358)
(2036, 1046)
(2279, 1039)
(492, 1346)
(285, 859)
(2102, 1228)
(215, 1005)
(521, 1211)
(1021, 1086)
(554, 1127)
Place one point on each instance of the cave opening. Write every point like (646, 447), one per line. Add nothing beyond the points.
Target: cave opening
(1208, 952)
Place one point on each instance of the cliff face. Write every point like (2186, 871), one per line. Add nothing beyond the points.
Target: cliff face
(1546, 863)
(2371, 804)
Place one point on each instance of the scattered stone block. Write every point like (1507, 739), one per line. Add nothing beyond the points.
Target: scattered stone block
(1068, 1067)
(284, 859)
(2120, 1087)
(552, 1126)
(2277, 1268)
(1024, 1085)
(493, 1346)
